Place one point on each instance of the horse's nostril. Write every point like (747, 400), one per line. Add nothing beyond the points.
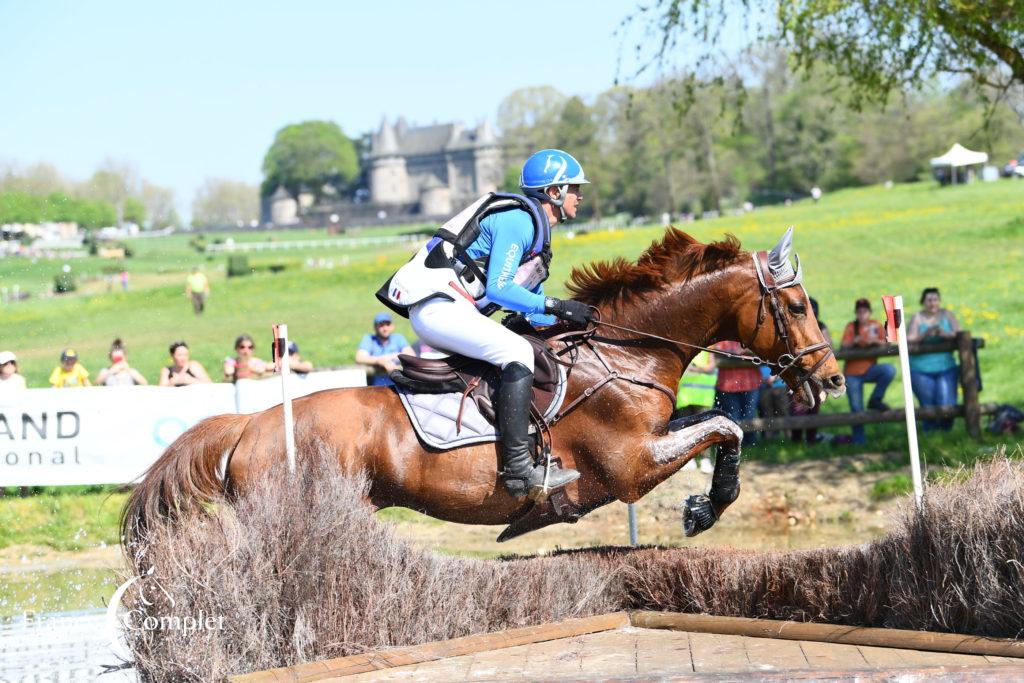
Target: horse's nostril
(838, 380)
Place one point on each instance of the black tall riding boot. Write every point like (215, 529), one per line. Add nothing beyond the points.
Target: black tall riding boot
(520, 473)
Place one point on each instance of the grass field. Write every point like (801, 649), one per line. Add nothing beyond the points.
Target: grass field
(968, 241)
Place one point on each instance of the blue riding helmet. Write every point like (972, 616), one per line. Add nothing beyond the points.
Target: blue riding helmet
(547, 168)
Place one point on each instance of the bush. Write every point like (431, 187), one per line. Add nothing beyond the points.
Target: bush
(238, 265)
(64, 283)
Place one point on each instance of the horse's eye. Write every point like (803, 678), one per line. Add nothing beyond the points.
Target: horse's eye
(797, 309)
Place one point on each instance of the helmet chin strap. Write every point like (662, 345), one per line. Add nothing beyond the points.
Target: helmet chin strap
(563, 190)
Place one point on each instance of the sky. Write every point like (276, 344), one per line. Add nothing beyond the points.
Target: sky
(189, 90)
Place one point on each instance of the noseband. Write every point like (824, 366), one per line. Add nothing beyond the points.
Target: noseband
(770, 292)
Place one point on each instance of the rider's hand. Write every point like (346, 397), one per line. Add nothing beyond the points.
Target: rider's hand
(569, 310)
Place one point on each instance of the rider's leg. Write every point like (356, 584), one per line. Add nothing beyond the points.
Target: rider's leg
(457, 326)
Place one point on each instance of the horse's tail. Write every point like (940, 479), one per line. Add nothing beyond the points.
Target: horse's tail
(188, 474)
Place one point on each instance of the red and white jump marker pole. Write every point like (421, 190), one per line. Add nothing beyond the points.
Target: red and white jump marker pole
(896, 331)
(284, 369)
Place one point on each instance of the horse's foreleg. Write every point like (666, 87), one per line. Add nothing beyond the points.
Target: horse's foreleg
(686, 438)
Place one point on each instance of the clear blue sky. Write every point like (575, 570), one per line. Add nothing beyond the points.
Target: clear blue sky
(189, 90)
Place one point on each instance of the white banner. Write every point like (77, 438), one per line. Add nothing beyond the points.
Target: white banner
(110, 435)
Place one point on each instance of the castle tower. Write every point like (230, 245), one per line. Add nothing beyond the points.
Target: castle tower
(389, 178)
(488, 169)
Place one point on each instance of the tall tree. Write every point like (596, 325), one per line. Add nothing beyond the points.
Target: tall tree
(876, 46)
(527, 119)
(225, 202)
(311, 153)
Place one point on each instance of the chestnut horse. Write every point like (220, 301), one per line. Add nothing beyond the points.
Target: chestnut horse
(620, 438)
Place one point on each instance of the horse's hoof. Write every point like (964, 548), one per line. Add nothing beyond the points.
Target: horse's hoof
(698, 515)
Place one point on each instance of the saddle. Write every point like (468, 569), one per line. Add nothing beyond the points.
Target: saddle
(478, 380)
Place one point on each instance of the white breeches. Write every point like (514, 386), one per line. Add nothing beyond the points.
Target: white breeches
(458, 327)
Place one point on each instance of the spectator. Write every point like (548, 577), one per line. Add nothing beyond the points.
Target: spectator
(182, 371)
(70, 373)
(119, 373)
(197, 287)
(10, 378)
(933, 375)
(799, 408)
(244, 365)
(865, 333)
(380, 350)
(124, 279)
(772, 399)
(695, 394)
(736, 389)
(295, 362)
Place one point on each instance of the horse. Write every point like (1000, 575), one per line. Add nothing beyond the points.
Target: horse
(679, 296)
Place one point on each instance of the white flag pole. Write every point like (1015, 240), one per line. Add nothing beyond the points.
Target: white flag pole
(908, 398)
(281, 346)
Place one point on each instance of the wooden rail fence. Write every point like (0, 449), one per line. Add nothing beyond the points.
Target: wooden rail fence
(971, 409)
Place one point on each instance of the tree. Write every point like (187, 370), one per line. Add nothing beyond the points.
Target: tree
(134, 211)
(527, 118)
(311, 153)
(159, 203)
(876, 46)
(225, 202)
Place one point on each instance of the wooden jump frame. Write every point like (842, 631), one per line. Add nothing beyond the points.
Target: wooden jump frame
(971, 409)
(695, 623)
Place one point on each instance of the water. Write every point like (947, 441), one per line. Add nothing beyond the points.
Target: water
(59, 646)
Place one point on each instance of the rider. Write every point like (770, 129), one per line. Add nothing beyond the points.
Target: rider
(492, 255)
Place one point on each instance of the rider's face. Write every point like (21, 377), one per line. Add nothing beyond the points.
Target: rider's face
(573, 198)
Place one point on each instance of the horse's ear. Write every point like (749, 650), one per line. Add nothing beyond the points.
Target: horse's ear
(778, 258)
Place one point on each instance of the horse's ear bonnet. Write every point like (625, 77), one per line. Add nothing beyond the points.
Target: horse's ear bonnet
(779, 264)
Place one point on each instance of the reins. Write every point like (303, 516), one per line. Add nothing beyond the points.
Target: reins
(769, 287)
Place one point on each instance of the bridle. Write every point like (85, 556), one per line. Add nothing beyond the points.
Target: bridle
(770, 292)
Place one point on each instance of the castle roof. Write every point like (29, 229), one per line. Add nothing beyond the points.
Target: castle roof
(403, 140)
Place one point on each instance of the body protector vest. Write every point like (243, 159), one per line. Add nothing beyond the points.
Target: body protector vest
(442, 268)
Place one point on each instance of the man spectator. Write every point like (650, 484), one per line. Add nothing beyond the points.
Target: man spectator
(295, 362)
(772, 399)
(197, 287)
(380, 350)
(811, 435)
(736, 389)
(865, 333)
(70, 373)
(10, 379)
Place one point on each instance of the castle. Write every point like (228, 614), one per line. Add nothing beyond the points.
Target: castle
(436, 168)
(411, 173)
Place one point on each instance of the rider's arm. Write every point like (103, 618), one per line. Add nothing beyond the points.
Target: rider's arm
(540, 319)
(512, 236)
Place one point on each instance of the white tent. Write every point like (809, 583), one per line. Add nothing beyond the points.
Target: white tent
(959, 156)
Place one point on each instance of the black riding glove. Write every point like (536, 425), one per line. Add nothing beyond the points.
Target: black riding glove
(569, 310)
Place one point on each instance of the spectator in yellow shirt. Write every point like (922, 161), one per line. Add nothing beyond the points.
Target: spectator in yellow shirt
(198, 288)
(70, 373)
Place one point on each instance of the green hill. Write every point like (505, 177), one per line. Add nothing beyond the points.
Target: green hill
(968, 241)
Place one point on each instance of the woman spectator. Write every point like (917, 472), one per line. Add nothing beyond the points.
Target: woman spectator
(244, 365)
(933, 375)
(865, 333)
(119, 374)
(736, 389)
(182, 371)
(10, 379)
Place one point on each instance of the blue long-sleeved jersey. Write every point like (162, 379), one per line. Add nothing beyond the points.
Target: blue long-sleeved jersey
(506, 236)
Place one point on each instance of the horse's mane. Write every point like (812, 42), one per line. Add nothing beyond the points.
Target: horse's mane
(676, 257)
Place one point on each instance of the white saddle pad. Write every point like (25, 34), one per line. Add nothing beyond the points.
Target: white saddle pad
(433, 417)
